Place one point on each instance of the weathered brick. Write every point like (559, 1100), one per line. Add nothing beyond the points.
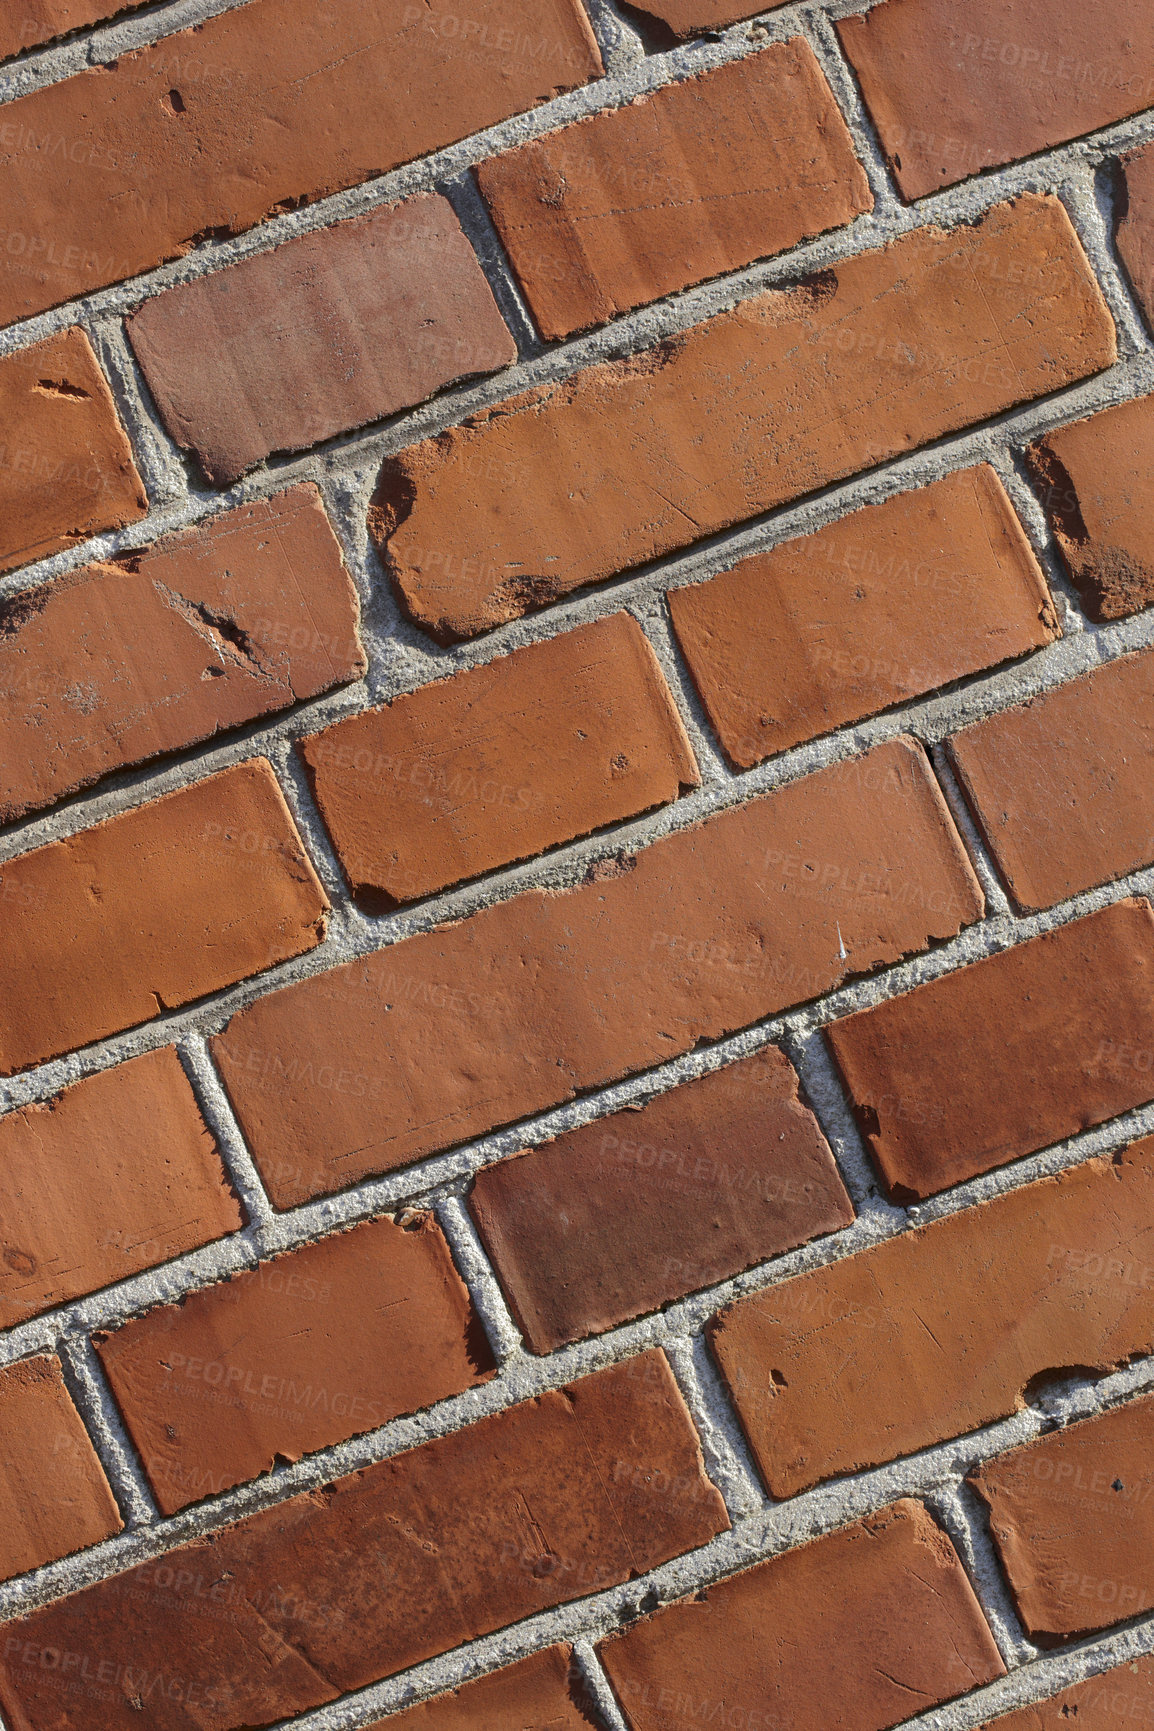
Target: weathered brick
(341, 327)
(516, 1008)
(273, 104)
(66, 469)
(109, 666)
(628, 205)
(856, 1628)
(1005, 1056)
(110, 1177)
(1135, 232)
(545, 1692)
(501, 761)
(637, 1209)
(907, 1344)
(953, 92)
(892, 601)
(56, 1497)
(1098, 1704)
(305, 1350)
(1095, 478)
(695, 17)
(1062, 786)
(1072, 1516)
(574, 481)
(573, 1491)
(29, 23)
(150, 910)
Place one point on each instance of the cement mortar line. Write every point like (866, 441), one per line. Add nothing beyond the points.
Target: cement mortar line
(955, 1508)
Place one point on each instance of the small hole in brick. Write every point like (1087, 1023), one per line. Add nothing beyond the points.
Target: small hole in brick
(175, 101)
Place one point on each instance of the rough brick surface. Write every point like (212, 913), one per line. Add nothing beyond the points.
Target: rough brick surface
(887, 603)
(1135, 232)
(150, 910)
(1095, 477)
(572, 482)
(1062, 786)
(944, 1329)
(344, 326)
(644, 200)
(201, 632)
(276, 103)
(692, 17)
(1073, 1519)
(66, 468)
(31, 22)
(545, 1692)
(503, 760)
(110, 1177)
(1098, 1704)
(452, 1032)
(848, 1630)
(953, 91)
(1007, 1055)
(639, 1208)
(303, 1351)
(56, 1497)
(546, 1502)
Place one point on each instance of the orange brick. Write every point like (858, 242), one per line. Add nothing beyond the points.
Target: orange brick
(56, 1497)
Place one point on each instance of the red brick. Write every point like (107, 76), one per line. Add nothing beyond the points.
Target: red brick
(499, 762)
(273, 104)
(1062, 786)
(114, 664)
(66, 469)
(56, 1497)
(907, 1344)
(110, 1177)
(341, 327)
(637, 1209)
(1005, 1056)
(577, 480)
(952, 94)
(856, 1628)
(695, 17)
(644, 200)
(303, 1351)
(150, 910)
(1126, 1692)
(1072, 1516)
(1095, 478)
(32, 22)
(520, 1006)
(576, 1490)
(890, 602)
(545, 1692)
(1135, 232)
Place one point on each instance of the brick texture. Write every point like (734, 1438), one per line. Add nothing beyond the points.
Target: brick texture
(1094, 477)
(890, 602)
(647, 199)
(110, 1177)
(952, 91)
(1062, 785)
(33, 22)
(1126, 1692)
(501, 762)
(277, 102)
(907, 1344)
(56, 1497)
(344, 326)
(66, 468)
(1072, 1516)
(630, 459)
(150, 910)
(1135, 231)
(542, 1693)
(305, 1350)
(1006, 1056)
(453, 1032)
(692, 17)
(205, 630)
(639, 1208)
(885, 1603)
(546, 1502)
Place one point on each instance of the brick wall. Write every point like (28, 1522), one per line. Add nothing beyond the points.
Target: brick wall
(576, 947)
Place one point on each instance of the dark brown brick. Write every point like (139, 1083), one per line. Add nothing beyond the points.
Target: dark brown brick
(628, 205)
(639, 1208)
(518, 1007)
(1007, 1055)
